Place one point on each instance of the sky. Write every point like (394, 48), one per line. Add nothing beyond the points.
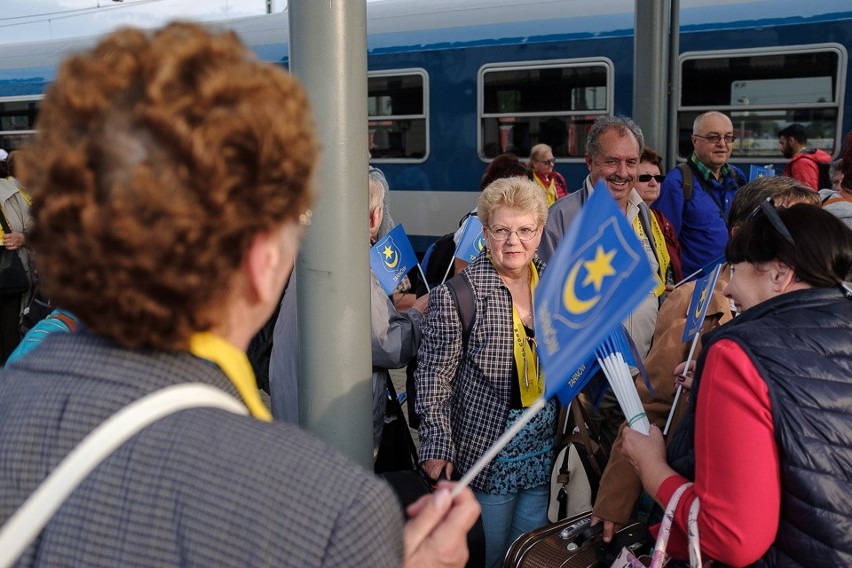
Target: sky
(37, 20)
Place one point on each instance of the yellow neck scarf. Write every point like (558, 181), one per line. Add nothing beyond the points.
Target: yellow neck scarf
(235, 365)
(549, 190)
(530, 377)
(659, 244)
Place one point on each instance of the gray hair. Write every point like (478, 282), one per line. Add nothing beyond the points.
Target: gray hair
(696, 124)
(377, 193)
(622, 124)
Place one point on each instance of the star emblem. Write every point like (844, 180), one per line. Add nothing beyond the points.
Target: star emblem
(599, 268)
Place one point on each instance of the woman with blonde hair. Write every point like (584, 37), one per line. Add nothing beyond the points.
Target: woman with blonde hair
(474, 378)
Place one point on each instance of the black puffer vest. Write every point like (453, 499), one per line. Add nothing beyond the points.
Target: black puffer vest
(801, 344)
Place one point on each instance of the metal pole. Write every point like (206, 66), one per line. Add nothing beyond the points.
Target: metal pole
(674, 85)
(650, 71)
(328, 52)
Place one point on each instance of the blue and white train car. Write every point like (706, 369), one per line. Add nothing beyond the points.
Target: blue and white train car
(452, 84)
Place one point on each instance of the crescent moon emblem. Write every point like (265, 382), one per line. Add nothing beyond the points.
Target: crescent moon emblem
(480, 243)
(394, 262)
(700, 303)
(569, 297)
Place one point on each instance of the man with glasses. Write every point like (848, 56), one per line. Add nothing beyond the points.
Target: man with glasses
(613, 150)
(696, 196)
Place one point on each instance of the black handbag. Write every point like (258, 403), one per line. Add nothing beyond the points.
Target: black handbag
(13, 276)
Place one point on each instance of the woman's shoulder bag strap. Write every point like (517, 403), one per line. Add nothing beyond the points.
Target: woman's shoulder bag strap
(28, 521)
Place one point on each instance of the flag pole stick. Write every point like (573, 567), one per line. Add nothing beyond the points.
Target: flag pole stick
(687, 278)
(501, 442)
(680, 387)
(447, 273)
(423, 276)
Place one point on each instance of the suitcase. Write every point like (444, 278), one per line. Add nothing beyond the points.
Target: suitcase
(574, 543)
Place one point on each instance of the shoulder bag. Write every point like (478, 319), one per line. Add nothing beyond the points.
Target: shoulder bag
(13, 276)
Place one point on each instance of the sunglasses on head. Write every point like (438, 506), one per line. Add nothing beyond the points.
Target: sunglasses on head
(645, 178)
(768, 209)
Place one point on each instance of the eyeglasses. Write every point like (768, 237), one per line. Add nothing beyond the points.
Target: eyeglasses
(768, 209)
(501, 234)
(715, 138)
(645, 178)
(551, 161)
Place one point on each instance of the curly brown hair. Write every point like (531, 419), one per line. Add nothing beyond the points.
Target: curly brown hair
(158, 158)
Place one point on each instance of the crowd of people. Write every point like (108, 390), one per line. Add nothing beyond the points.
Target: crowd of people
(168, 259)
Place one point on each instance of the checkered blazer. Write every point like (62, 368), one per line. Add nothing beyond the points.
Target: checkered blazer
(201, 487)
(463, 396)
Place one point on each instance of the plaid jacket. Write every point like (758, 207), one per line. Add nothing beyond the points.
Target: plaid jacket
(463, 395)
(201, 487)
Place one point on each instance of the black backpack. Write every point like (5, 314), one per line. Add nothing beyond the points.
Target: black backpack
(822, 167)
(462, 294)
(36, 310)
(686, 173)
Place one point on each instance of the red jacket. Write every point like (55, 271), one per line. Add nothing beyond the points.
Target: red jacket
(803, 167)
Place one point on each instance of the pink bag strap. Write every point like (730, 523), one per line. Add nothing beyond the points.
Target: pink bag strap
(666, 529)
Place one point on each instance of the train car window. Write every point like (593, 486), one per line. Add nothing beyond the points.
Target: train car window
(17, 120)
(397, 111)
(521, 105)
(763, 91)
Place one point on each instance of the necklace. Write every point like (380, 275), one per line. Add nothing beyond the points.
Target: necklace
(527, 317)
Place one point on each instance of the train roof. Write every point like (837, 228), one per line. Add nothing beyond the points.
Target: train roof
(415, 25)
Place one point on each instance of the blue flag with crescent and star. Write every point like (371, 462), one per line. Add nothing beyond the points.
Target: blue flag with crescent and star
(472, 241)
(698, 304)
(391, 258)
(597, 276)
(756, 172)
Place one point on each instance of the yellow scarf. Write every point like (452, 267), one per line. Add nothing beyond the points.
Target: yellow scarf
(663, 259)
(549, 191)
(530, 377)
(235, 365)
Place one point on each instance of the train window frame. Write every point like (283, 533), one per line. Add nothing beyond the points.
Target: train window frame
(424, 116)
(598, 61)
(26, 133)
(786, 108)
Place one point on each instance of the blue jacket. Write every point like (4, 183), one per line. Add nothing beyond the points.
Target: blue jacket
(702, 221)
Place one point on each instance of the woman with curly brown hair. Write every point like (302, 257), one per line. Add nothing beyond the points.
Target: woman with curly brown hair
(169, 176)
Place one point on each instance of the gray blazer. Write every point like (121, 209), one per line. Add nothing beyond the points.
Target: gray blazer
(201, 487)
